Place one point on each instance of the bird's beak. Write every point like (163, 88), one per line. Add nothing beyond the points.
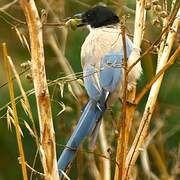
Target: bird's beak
(76, 21)
(79, 16)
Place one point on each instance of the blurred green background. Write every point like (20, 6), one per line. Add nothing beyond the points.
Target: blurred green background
(167, 110)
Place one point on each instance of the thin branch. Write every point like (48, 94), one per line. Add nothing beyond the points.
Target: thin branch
(159, 39)
(159, 162)
(122, 141)
(34, 171)
(82, 3)
(28, 108)
(133, 74)
(65, 65)
(146, 166)
(15, 115)
(150, 105)
(170, 62)
(14, 78)
(7, 6)
(90, 152)
(47, 147)
(104, 148)
(51, 24)
(26, 101)
(93, 170)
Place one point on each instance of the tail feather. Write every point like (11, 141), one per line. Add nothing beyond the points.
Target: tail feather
(91, 114)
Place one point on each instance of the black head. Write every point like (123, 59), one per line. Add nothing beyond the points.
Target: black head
(99, 16)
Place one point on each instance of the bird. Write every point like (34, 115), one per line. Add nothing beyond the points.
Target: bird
(101, 59)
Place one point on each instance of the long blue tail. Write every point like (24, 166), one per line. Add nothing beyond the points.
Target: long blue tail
(90, 116)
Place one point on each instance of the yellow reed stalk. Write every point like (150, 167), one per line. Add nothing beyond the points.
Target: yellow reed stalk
(13, 103)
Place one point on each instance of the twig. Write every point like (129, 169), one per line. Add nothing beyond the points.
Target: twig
(93, 170)
(170, 62)
(122, 141)
(47, 147)
(59, 51)
(163, 33)
(104, 148)
(13, 18)
(144, 153)
(146, 166)
(27, 106)
(53, 24)
(12, 97)
(65, 65)
(82, 3)
(34, 163)
(35, 171)
(90, 152)
(26, 101)
(133, 74)
(150, 105)
(126, 9)
(159, 161)
(4, 7)
(13, 78)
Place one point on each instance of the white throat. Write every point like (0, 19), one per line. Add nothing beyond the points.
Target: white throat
(89, 27)
(114, 26)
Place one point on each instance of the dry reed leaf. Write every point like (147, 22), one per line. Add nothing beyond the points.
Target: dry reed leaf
(25, 106)
(61, 86)
(24, 101)
(71, 91)
(19, 35)
(13, 102)
(10, 120)
(80, 81)
(29, 129)
(65, 175)
(10, 111)
(145, 162)
(22, 38)
(26, 42)
(20, 130)
(63, 108)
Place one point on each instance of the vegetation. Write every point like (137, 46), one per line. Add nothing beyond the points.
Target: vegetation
(42, 92)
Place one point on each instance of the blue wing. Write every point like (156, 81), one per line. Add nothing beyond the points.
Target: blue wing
(110, 71)
(91, 82)
(106, 78)
(111, 68)
(109, 74)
